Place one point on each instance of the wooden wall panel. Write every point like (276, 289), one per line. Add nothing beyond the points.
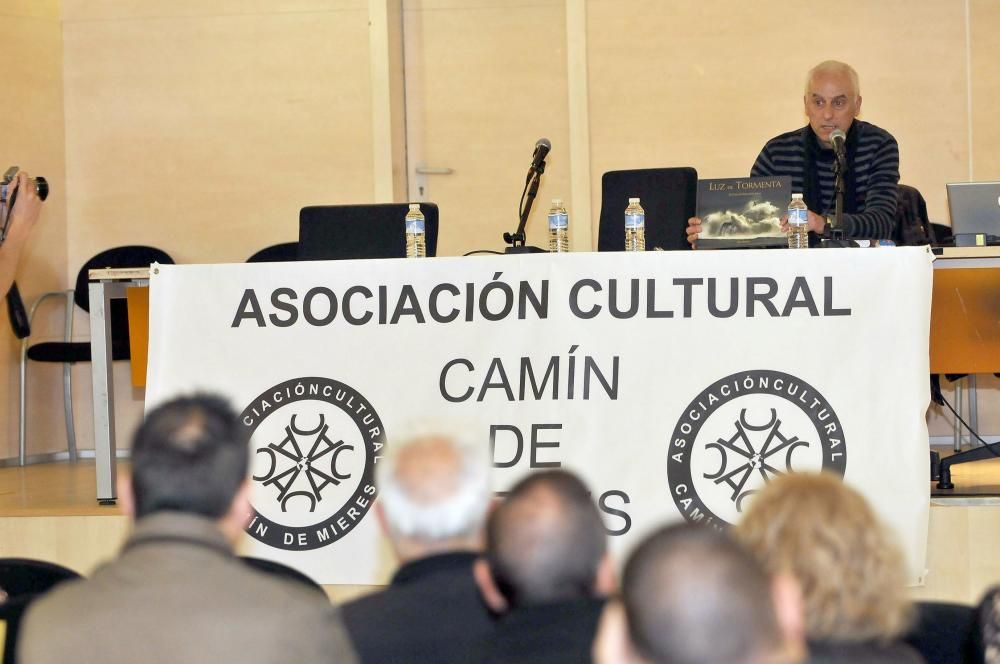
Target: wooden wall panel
(202, 128)
(984, 22)
(32, 137)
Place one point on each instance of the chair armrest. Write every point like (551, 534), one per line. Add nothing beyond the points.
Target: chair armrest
(68, 295)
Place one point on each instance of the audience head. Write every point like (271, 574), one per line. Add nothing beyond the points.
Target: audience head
(434, 490)
(189, 455)
(544, 543)
(691, 594)
(850, 570)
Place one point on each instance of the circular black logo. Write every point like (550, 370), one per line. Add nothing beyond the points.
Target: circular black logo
(314, 442)
(739, 433)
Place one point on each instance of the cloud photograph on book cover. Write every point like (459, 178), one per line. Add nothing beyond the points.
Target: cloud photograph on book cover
(754, 219)
(742, 212)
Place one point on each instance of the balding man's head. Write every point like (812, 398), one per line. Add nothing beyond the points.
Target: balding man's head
(546, 542)
(692, 594)
(434, 489)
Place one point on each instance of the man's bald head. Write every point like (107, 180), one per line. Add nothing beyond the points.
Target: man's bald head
(546, 541)
(692, 594)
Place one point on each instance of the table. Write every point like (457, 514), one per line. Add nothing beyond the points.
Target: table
(105, 285)
(965, 320)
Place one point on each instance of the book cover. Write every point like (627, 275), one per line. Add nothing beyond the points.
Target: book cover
(743, 212)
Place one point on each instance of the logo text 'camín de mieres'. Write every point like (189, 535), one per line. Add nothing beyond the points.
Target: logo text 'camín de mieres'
(314, 442)
(742, 431)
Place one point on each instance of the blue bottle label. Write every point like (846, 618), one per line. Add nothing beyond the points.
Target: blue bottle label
(414, 226)
(558, 221)
(635, 220)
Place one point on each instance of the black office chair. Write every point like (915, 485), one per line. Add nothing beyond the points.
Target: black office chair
(23, 580)
(913, 228)
(276, 253)
(668, 195)
(26, 576)
(67, 351)
(283, 571)
(334, 232)
(11, 613)
(942, 234)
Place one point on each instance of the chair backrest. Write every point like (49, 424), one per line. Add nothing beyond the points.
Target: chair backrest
(24, 576)
(942, 233)
(946, 633)
(913, 228)
(276, 253)
(283, 571)
(333, 232)
(117, 257)
(668, 195)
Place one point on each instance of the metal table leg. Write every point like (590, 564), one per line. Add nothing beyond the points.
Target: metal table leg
(101, 293)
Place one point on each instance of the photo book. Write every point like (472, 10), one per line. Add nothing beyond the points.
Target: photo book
(743, 212)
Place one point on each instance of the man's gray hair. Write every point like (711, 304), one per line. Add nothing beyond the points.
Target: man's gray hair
(435, 507)
(834, 67)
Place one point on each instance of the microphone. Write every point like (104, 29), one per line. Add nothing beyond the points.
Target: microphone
(542, 148)
(838, 139)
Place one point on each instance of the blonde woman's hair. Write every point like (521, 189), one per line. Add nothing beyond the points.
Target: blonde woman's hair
(826, 535)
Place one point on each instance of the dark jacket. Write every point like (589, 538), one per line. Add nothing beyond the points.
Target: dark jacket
(431, 612)
(554, 633)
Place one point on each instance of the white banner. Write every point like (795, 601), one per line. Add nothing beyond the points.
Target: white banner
(674, 383)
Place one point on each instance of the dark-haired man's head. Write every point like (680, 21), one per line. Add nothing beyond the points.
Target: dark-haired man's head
(190, 455)
(544, 543)
(691, 594)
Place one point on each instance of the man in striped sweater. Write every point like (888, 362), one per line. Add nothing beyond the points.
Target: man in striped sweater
(833, 101)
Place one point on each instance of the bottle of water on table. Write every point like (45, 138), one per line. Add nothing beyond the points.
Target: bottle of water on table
(416, 246)
(558, 227)
(635, 226)
(798, 223)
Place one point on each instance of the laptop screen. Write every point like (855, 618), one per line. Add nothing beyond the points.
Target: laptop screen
(974, 207)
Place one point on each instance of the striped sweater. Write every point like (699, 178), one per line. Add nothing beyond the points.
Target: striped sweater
(875, 165)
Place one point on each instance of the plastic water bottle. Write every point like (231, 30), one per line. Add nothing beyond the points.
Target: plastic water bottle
(416, 246)
(558, 227)
(798, 223)
(635, 226)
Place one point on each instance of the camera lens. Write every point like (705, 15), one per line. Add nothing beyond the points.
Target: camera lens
(42, 187)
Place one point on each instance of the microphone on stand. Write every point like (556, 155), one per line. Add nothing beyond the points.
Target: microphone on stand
(542, 147)
(516, 239)
(839, 141)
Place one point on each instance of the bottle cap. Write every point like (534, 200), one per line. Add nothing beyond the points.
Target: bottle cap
(633, 200)
(557, 202)
(414, 206)
(794, 196)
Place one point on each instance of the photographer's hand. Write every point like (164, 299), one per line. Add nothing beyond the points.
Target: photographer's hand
(23, 216)
(27, 207)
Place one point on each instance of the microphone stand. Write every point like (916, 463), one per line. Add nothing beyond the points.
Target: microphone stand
(516, 239)
(838, 236)
(838, 197)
